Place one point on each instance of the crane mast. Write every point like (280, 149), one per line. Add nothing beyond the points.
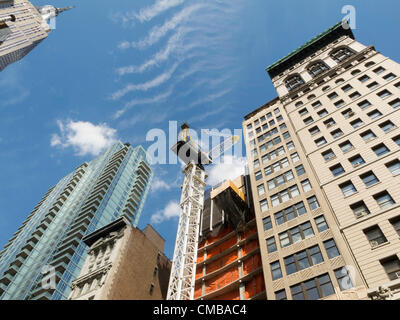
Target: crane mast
(183, 271)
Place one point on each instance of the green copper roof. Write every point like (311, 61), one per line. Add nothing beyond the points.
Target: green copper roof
(336, 29)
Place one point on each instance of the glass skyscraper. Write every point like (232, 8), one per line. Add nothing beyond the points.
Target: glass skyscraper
(113, 185)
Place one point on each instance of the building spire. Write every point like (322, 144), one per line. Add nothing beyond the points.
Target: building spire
(59, 10)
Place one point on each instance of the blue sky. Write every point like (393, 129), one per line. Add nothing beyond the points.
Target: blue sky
(116, 69)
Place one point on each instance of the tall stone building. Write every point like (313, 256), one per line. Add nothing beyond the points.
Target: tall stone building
(325, 167)
(123, 263)
(22, 27)
(113, 185)
(228, 259)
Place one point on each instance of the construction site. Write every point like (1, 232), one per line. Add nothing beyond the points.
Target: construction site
(228, 263)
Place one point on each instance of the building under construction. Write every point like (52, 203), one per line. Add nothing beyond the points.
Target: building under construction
(228, 259)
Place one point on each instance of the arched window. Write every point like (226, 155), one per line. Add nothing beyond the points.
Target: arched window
(293, 82)
(310, 97)
(355, 72)
(324, 89)
(369, 64)
(298, 104)
(339, 81)
(341, 54)
(316, 68)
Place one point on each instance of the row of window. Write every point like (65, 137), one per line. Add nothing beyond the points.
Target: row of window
(263, 119)
(383, 199)
(336, 170)
(288, 213)
(339, 81)
(375, 235)
(296, 234)
(304, 259)
(318, 287)
(318, 67)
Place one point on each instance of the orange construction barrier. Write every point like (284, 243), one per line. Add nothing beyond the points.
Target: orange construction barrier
(231, 295)
(199, 271)
(254, 286)
(221, 280)
(251, 264)
(197, 291)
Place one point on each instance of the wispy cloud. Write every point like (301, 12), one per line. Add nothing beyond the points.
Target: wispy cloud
(160, 79)
(160, 6)
(144, 101)
(158, 32)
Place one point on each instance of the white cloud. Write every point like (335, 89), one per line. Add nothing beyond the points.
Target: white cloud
(231, 168)
(158, 184)
(172, 210)
(84, 137)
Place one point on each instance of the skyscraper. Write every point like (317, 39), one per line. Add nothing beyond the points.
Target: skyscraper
(113, 185)
(325, 164)
(22, 27)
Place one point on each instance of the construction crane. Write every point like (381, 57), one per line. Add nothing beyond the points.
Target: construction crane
(182, 278)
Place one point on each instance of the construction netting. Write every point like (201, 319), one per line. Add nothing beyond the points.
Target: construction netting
(249, 231)
(249, 246)
(197, 290)
(200, 257)
(221, 247)
(254, 286)
(231, 295)
(222, 279)
(251, 264)
(221, 262)
(221, 234)
(199, 271)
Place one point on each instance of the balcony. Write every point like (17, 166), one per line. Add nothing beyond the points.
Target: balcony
(24, 253)
(12, 270)
(6, 279)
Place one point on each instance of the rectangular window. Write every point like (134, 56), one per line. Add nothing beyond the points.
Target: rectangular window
(394, 167)
(348, 188)
(313, 289)
(337, 170)
(359, 209)
(391, 266)
(286, 135)
(331, 249)
(343, 278)
(280, 295)
(375, 236)
(347, 87)
(306, 185)
(328, 155)
(267, 223)
(384, 94)
(322, 113)
(364, 78)
(396, 224)
(290, 213)
(300, 170)
(290, 145)
(357, 123)
(387, 126)
(356, 161)
(346, 146)
(373, 85)
(374, 114)
(355, 95)
(295, 157)
(276, 270)
(395, 103)
(264, 205)
(380, 149)
(389, 76)
(316, 105)
(308, 120)
(258, 175)
(321, 223)
(368, 135)
(379, 70)
(384, 200)
(313, 202)
(339, 104)
(332, 95)
(329, 123)
(271, 245)
(320, 141)
(314, 130)
(397, 140)
(364, 104)
(261, 189)
(348, 113)
(337, 133)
